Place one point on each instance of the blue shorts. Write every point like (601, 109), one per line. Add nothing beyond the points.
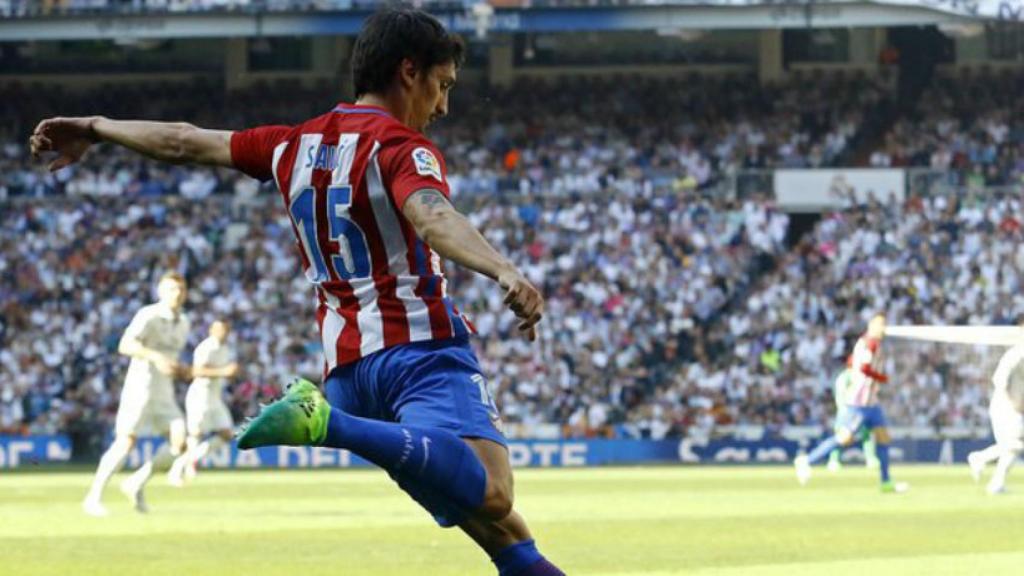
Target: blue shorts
(857, 418)
(433, 384)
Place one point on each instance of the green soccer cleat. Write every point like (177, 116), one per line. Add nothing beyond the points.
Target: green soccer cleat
(299, 418)
(891, 487)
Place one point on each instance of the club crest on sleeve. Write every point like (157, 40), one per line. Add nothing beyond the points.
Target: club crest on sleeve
(426, 163)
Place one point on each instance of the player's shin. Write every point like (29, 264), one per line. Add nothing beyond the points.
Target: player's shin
(882, 450)
(112, 461)
(162, 459)
(1006, 460)
(823, 449)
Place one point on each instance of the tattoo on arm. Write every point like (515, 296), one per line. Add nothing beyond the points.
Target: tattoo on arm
(430, 198)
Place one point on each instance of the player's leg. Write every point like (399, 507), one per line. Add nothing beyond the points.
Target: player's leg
(843, 437)
(212, 443)
(870, 448)
(835, 460)
(112, 461)
(195, 418)
(875, 420)
(842, 381)
(1009, 429)
(219, 420)
(203, 418)
(176, 474)
(507, 540)
(134, 487)
(979, 459)
(882, 441)
(435, 392)
(130, 413)
(415, 449)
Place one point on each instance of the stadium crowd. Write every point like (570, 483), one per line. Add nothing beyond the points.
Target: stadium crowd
(659, 132)
(969, 124)
(671, 309)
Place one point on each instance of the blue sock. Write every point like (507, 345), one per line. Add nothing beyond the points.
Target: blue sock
(436, 458)
(882, 452)
(822, 450)
(523, 559)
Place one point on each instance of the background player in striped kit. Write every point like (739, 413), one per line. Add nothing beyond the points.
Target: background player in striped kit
(205, 411)
(154, 341)
(1006, 410)
(863, 410)
(368, 198)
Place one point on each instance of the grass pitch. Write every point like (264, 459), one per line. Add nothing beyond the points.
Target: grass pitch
(614, 521)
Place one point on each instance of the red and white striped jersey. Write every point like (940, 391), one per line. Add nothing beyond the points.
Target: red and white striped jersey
(865, 365)
(344, 177)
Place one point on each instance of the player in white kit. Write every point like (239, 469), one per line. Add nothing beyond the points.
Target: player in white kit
(212, 365)
(1006, 410)
(154, 341)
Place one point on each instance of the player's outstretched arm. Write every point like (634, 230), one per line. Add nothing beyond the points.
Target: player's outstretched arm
(175, 142)
(448, 232)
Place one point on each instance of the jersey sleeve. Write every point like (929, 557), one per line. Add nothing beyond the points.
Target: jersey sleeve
(201, 357)
(138, 327)
(252, 150)
(410, 165)
(864, 358)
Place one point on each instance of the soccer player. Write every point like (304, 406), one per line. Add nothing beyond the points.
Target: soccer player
(367, 195)
(862, 408)
(153, 340)
(1006, 410)
(839, 390)
(205, 411)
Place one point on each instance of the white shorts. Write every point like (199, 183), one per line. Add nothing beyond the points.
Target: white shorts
(207, 415)
(139, 413)
(1007, 423)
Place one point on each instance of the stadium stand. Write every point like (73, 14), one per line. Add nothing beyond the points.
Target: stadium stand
(616, 208)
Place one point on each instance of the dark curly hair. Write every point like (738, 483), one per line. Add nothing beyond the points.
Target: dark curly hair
(393, 34)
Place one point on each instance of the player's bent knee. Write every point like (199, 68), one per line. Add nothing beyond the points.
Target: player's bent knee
(124, 442)
(497, 502)
(496, 508)
(882, 436)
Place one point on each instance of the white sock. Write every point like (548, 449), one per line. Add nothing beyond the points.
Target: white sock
(1006, 460)
(989, 454)
(162, 459)
(110, 463)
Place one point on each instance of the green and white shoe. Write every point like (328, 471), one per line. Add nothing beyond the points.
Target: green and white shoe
(891, 487)
(299, 418)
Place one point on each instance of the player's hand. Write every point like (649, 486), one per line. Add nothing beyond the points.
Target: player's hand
(68, 137)
(166, 365)
(524, 300)
(230, 370)
(184, 372)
